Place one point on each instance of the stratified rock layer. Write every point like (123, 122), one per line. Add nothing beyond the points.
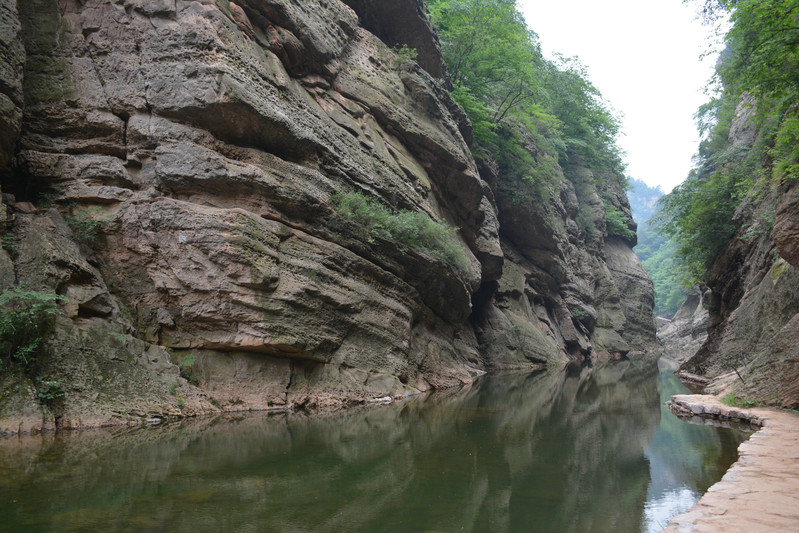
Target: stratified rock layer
(184, 158)
(12, 60)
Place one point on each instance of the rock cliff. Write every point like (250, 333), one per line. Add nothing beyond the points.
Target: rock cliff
(686, 332)
(172, 169)
(752, 348)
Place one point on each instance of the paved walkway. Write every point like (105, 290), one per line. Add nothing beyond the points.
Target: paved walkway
(760, 492)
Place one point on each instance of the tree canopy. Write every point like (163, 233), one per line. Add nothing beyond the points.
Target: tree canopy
(757, 77)
(762, 46)
(509, 90)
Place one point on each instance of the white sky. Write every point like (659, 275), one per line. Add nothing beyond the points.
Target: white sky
(643, 56)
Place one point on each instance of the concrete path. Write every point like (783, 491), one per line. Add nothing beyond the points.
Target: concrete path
(760, 492)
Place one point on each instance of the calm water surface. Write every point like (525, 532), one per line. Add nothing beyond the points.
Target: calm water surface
(580, 450)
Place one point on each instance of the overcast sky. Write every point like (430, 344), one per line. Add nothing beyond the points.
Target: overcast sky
(643, 56)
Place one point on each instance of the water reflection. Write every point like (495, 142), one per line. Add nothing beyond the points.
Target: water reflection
(678, 478)
(577, 450)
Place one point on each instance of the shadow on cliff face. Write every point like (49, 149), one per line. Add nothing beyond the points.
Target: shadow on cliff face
(559, 450)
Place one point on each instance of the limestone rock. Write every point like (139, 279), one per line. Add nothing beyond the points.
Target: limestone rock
(404, 22)
(20, 410)
(786, 225)
(565, 293)
(629, 310)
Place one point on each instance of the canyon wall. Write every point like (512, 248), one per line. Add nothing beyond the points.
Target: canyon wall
(752, 347)
(686, 332)
(175, 170)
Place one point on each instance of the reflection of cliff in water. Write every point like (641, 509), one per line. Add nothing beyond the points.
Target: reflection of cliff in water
(557, 451)
(679, 478)
(585, 470)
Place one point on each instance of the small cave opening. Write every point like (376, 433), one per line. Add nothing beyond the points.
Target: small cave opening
(403, 22)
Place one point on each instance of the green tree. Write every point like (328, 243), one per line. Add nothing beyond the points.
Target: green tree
(589, 129)
(761, 59)
(762, 46)
(490, 51)
(760, 69)
(513, 95)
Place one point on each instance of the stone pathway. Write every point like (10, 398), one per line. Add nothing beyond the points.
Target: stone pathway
(760, 492)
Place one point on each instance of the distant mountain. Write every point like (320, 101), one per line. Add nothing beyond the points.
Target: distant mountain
(643, 200)
(657, 252)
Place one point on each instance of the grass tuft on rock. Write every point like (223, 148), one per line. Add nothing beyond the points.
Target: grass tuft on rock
(737, 401)
(413, 229)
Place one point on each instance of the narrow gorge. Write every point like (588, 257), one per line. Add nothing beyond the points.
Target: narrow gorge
(221, 192)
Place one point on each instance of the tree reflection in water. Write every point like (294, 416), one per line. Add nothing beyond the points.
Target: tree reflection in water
(569, 450)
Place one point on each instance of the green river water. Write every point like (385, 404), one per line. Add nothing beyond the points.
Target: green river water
(577, 450)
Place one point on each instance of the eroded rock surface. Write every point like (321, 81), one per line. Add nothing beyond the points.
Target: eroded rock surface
(786, 225)
(183, 159)
(565, 291)
(12, 60)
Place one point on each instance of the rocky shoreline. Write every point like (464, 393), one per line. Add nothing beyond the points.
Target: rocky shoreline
(760, 492)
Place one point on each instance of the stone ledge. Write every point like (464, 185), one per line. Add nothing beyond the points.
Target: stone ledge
(711, 407)
(760, 492)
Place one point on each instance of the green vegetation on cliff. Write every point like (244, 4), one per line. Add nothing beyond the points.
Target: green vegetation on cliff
(520, 103)
(657, 252)
(762, 46)
(757, 75)
(25, 317)
(617, 223)
(413, 229)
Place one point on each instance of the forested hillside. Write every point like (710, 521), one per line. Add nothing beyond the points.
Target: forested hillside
(529, 113)
(750, 129)
(735, 219)
(656, 250)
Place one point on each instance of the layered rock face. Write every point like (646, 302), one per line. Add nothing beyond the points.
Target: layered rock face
(185, 158)
(752, 349)
(686, 332)
(12, 61)
(563, 288)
